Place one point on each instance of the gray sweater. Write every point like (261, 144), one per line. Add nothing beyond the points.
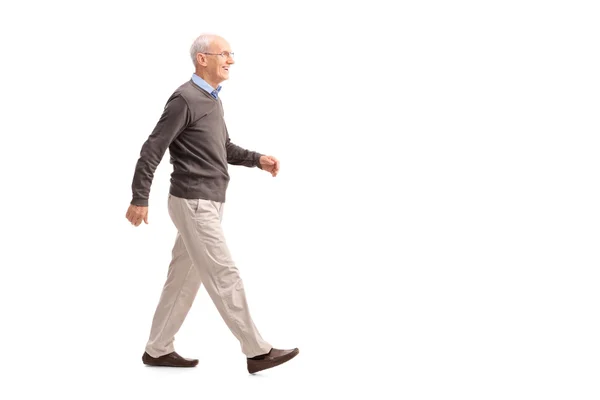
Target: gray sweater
(193, 128)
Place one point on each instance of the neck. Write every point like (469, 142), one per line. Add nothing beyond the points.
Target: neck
(211, 82)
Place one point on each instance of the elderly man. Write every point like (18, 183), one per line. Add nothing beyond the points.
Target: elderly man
(193, 128)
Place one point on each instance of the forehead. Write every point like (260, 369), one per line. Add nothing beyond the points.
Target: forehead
(221, 44)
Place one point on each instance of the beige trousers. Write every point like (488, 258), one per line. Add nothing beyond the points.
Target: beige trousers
(200, 255)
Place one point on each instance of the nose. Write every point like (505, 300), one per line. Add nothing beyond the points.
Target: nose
(230, 61)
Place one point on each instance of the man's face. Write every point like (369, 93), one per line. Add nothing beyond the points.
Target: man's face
(218, 66)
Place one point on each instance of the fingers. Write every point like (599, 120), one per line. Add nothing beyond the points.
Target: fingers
(131, 217)
(137, 221)
(146, 219)
(275, 166)
(138, 218)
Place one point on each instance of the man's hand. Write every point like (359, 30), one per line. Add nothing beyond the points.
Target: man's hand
(269, 164)
(137, 214)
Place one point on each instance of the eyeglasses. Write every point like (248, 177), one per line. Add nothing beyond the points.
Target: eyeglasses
(225, 54)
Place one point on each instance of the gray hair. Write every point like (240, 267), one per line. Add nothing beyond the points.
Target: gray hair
(201, 45)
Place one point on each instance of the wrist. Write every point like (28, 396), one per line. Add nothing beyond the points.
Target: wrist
(257, 162)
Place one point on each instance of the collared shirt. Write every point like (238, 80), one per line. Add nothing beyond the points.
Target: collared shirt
(202, 83)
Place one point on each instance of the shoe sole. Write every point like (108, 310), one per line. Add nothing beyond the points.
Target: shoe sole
(150, 364)
(274, 363)
(172, 366)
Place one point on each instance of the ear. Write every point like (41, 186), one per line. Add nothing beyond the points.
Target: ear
(200, 59)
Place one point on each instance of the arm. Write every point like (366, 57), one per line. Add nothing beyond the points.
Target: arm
(175, 118)
(239, 156)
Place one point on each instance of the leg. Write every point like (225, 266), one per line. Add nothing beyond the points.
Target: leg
(199, 222)
(179, 292)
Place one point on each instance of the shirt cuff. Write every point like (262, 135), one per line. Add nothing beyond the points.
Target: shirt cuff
(140, 202)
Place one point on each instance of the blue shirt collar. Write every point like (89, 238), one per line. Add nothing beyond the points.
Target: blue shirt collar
(202, 83)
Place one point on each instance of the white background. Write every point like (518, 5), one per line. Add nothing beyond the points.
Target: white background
(433, 232)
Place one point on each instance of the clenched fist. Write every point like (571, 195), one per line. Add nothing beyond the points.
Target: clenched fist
(137, 214)
(269, 164)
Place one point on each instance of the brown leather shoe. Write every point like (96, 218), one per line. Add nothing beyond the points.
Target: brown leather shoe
(169, 360)
(272, 359)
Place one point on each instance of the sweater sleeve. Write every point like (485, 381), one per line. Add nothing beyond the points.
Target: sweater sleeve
(240, 156)
(174, 119)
